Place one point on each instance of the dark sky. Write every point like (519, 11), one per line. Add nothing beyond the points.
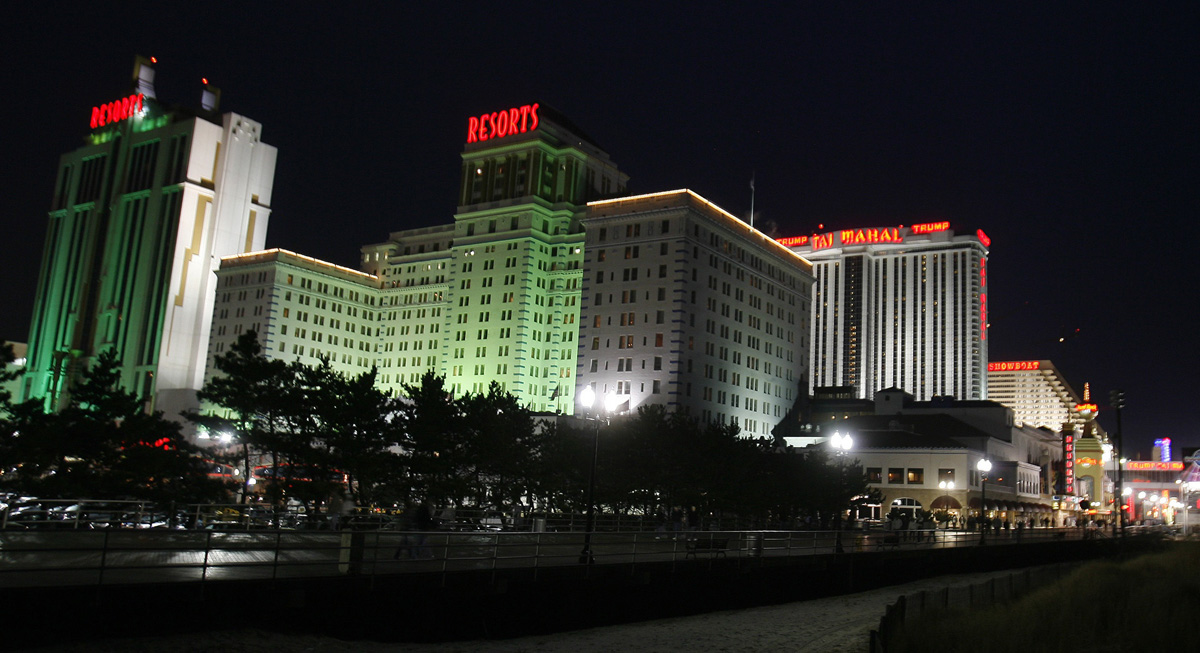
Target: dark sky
(1067, 133)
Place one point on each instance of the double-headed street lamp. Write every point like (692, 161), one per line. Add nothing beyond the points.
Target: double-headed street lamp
(587, 397)
(841, 446)
(984, 466)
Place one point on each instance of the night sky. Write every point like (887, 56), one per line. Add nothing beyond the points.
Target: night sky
(1067, 133)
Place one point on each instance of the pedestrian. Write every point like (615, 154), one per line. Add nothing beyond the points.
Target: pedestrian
(676, 521)
(404, 524)
(422, 524)
(693, 520)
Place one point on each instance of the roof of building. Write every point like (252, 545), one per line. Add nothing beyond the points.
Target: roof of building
(909, 432)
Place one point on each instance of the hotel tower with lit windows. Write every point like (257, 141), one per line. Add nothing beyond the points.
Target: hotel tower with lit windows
(492, 297)
(140, 218)
(899, 307)
(544, 284)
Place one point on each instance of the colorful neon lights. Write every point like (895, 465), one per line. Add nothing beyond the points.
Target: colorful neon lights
(929, 227)
(793, 241)
(502, 123)
(983, 238)
(1153, 466)
(863, 236)
(871, 236)
(1014, 366)
(117, 110)
(1069, 464)
(1087, 408)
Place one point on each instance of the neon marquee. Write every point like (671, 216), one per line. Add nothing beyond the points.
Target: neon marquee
(1153, 466)
(1089, 408)
(117, 110)
(1069, 464)
(1012, 366)
(502, 123)
(929, 227)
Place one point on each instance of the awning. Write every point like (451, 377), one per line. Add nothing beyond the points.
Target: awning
(945, 502)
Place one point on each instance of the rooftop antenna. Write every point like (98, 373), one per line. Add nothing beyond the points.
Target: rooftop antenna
(752, 174)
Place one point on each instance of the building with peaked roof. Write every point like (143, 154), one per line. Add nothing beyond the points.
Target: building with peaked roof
(140, 217)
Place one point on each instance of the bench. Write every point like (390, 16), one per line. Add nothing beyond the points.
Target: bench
(716, 546)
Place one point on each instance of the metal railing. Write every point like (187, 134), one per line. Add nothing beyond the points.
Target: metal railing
(125, 556)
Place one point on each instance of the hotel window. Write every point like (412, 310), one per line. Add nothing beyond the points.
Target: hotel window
(874, 474)
(945, 476)
(895, 475)
(916, 475)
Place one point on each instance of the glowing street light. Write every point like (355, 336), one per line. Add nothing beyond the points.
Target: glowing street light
(587, 397)
(984, 466)
(841, 446)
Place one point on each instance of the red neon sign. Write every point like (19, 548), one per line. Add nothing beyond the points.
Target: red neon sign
(929, 227)
(1093, 408)
(117, 110)
(1153, 466)
(871, 236)
(503, 123)
(1069, 463)
(1011, 366)
(983, 238)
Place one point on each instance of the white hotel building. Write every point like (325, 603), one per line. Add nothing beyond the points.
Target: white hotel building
(899, 307)
(686, 306)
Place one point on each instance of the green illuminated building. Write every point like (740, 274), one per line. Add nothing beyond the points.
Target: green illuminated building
(140, 218)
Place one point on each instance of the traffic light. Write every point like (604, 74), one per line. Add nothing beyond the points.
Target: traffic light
(1116, 398)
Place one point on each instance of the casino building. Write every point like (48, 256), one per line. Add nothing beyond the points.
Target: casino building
(1037, 392)
(545, 284)
(141, 215)
(495, 296)
(899, 307)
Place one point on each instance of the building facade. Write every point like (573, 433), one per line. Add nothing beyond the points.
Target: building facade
(493, 297)
(686, 306)
(1037, 392)
(140, 218)
(899, 307)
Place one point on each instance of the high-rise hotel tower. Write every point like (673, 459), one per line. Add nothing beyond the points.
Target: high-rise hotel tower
(899, 307)
(140, 218)
(492, 297)
(688, 307)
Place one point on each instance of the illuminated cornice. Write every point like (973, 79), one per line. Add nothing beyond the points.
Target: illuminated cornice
(689, 196)
(277, 253)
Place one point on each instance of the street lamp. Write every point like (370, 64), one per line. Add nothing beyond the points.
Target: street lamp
(984, 466)
(841, 446)
(587, 397)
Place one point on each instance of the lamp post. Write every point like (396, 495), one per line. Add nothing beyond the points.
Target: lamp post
(586, 398)
(984, 466)
(841, 446)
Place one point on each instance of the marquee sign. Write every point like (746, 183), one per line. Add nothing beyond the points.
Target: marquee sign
(117, 110)
(505, 122)
(1014, 366)
(1069, 464)
(868, 236)
(1153, 466)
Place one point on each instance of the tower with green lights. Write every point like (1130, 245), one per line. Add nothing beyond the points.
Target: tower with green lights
(495, 296)
(140, 218)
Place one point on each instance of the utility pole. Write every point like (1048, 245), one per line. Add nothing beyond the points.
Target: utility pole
(1116, 399)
